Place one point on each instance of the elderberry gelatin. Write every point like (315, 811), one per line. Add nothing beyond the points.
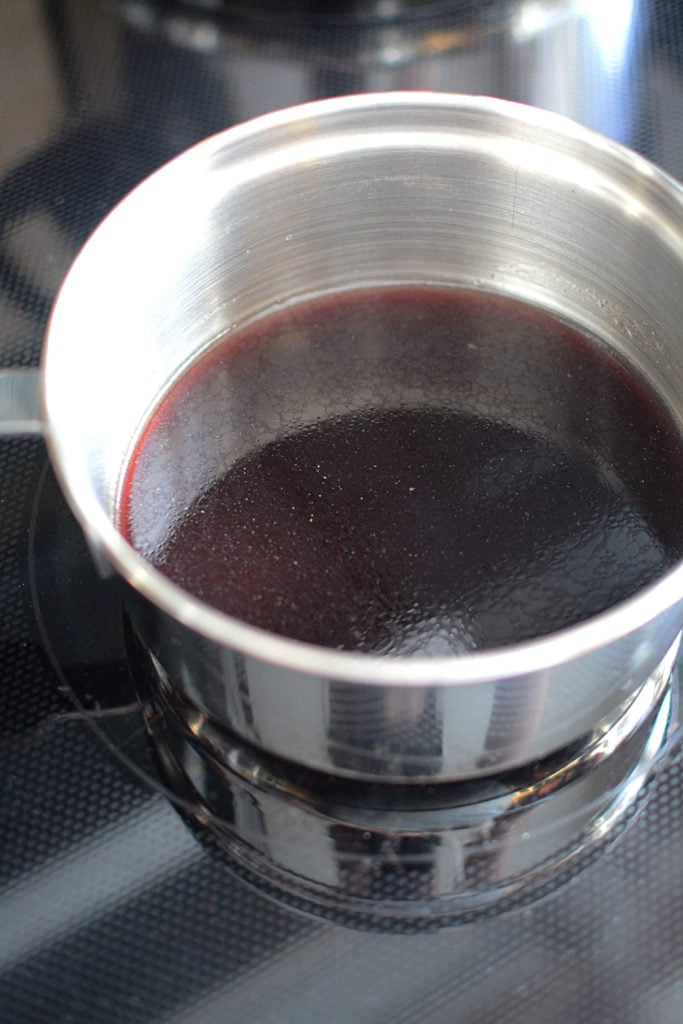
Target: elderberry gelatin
(408, 471)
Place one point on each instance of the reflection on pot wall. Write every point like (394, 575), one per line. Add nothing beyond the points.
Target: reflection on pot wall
(396, 857)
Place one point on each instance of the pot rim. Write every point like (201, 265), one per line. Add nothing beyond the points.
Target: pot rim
(479, 666)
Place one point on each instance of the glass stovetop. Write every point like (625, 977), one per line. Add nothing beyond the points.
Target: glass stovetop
(112, 907)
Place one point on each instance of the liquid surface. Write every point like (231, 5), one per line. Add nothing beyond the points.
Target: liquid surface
(408, 471)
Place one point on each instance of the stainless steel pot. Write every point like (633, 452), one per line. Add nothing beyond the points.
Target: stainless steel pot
(374, 189)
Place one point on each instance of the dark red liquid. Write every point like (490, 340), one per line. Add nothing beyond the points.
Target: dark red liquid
(408, 471)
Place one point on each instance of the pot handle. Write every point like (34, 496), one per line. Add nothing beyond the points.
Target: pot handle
(20, 401)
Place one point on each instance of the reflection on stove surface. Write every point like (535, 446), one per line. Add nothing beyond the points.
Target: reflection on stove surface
(415, 854)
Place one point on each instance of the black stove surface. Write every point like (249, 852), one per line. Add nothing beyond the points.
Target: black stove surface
(112, 908)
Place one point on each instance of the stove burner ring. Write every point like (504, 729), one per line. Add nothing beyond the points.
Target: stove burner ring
(406, 857)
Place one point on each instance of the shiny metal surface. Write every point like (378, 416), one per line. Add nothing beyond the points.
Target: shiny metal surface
(395, 188)
(391, 854)
(574, 57)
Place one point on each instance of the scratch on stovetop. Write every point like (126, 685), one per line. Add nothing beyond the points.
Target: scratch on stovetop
(96, 713)
(49, 723)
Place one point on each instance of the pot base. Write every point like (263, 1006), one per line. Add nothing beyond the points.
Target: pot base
(411, 856)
